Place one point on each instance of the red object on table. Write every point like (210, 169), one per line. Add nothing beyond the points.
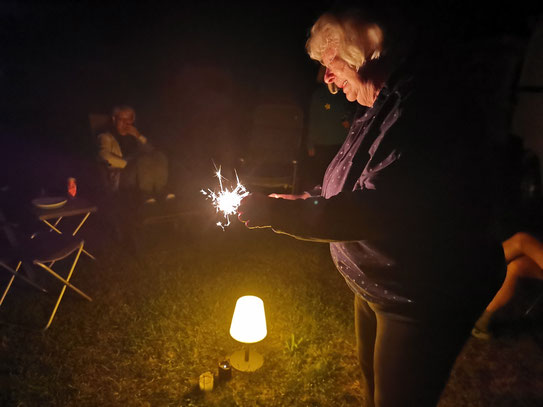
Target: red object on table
(72, 187)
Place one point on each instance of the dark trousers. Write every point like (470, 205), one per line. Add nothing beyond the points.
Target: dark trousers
(407, 352)
(406, 360)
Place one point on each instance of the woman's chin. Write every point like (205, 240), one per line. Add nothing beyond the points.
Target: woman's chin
(350, 97)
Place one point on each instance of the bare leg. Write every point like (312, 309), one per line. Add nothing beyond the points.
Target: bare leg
(524, 257)
(520, 267)
(523, 244)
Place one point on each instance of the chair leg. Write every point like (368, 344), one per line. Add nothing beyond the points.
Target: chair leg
(58, 221)
(81, 224)
(88, 254)
(65, 281)
(53, 227)
(14, 273)
(10, 281)
(66, 284)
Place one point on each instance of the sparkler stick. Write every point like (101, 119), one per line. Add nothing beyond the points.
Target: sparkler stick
(226, 200)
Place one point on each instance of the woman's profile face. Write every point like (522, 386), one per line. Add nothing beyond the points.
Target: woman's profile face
(346, 78)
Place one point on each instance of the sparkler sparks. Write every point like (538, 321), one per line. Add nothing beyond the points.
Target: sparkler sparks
(226, 200)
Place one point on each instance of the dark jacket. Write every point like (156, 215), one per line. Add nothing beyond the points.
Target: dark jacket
(407, 203)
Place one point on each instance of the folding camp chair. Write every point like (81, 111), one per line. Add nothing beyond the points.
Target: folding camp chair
(43, 251)
(14, 273)
(271, 159)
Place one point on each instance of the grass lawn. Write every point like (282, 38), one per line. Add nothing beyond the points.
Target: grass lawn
(161, 316)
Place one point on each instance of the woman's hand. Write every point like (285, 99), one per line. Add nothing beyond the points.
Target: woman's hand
(254, 211)
(291, 197)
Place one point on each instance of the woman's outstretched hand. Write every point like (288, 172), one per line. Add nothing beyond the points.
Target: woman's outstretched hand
(291, 197)
(254, 211)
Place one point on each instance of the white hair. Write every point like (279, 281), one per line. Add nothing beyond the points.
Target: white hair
(348, 36)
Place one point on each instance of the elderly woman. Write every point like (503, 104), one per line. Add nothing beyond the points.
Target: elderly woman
(404, 206)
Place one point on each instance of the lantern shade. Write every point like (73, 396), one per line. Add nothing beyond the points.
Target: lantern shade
(249, 320)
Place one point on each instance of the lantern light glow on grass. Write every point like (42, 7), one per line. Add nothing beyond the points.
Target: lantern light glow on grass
(226, 200)
(248, 326)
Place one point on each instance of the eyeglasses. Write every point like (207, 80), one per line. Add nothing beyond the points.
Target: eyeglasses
(125, 120)
(328, 57)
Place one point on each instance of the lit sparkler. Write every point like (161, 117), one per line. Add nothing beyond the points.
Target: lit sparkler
(226, 200)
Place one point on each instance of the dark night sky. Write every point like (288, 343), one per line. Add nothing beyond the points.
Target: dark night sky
(64, 57)
(188, 68)
(86, 55)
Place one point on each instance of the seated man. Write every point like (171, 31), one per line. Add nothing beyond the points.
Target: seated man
(129, 154)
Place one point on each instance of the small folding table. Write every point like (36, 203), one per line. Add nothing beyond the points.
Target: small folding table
(73, 207)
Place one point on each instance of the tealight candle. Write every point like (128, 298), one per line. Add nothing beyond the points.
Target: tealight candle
(225, 371)
(206, 381)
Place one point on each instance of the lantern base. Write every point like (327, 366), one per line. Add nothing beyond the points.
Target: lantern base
(246, 361)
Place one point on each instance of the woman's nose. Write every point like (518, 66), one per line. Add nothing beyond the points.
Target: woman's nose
(329, 76)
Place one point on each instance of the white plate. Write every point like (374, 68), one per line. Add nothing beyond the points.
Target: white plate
(52, 202)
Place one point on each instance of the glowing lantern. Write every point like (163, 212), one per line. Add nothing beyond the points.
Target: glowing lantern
(248, 326)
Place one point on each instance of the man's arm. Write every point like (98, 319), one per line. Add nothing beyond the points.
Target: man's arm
(143, 143)
(106, 143)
